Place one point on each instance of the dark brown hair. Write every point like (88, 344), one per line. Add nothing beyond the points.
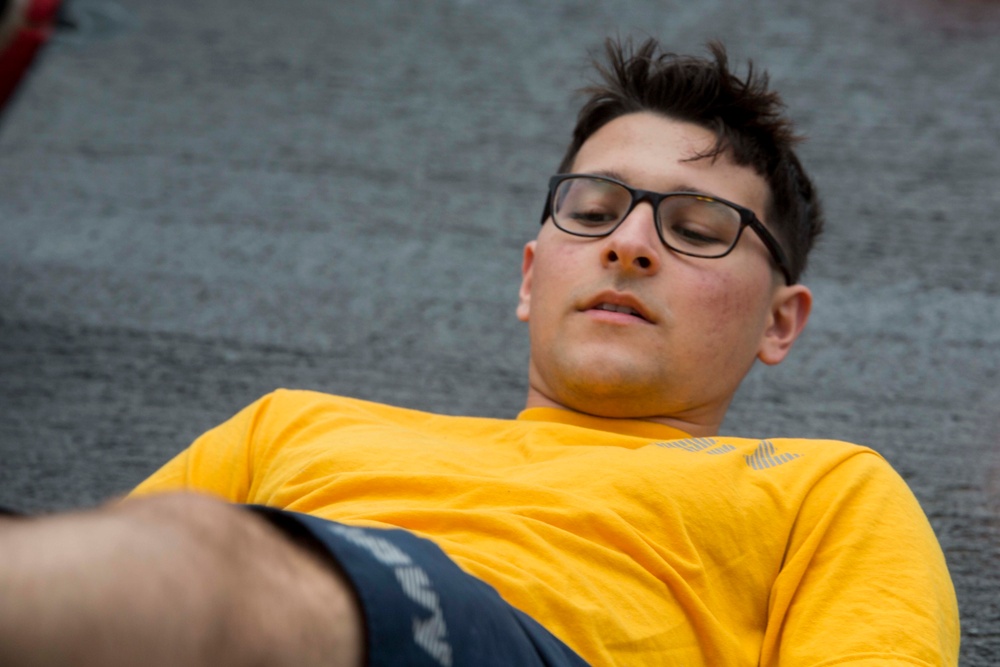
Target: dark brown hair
(746, 117)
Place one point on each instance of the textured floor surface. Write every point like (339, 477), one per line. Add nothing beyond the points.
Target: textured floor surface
(201, 201)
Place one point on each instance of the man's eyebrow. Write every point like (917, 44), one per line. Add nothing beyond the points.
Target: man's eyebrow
(610, 173)
(618, 176)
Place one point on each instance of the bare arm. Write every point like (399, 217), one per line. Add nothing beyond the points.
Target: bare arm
(172, 580)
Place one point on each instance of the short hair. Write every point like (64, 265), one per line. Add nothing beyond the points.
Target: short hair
(745, 116)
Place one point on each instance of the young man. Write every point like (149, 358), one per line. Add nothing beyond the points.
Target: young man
(607, 524)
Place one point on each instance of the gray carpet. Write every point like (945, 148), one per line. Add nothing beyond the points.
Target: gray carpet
(201, 201)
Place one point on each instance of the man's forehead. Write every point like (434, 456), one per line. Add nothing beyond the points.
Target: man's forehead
(654, 152)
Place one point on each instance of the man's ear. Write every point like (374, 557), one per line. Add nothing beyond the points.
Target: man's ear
(524, 294)
(790, 310)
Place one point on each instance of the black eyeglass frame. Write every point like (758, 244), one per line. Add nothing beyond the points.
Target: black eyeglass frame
(747, 218)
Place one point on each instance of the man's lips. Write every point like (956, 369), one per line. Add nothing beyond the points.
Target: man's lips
(618, 309)
(620, 303)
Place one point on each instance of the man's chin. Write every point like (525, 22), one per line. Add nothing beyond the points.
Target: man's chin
(603, 384)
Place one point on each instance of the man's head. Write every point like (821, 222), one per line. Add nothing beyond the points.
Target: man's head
(745, 117)
(622, 326)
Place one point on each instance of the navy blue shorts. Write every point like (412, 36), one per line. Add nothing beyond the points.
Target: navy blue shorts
(420, 608)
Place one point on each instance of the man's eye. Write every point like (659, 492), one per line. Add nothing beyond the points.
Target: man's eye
(592, 218)
(695, 236)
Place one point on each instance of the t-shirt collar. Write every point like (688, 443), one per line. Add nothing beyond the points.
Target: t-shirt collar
(634, 427)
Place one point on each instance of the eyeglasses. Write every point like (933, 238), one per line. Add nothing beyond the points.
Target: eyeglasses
(687, 222)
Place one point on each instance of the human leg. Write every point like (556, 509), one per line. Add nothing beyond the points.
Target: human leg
(168, 581)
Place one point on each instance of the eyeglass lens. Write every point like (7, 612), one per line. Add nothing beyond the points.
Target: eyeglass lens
(692, 224)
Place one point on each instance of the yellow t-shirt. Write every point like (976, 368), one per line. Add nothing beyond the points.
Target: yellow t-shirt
(630, 541)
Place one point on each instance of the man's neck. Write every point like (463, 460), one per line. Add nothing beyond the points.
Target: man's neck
(692, 426)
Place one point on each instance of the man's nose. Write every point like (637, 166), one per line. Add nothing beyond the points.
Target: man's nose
(634, 245)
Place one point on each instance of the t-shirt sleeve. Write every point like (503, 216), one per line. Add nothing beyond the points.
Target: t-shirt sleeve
(863, 581)
(218, 463)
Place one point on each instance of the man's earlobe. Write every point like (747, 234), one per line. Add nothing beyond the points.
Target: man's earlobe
(524, 294)
(790, 310)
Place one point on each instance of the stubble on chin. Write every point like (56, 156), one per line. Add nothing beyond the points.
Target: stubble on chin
(605, 385)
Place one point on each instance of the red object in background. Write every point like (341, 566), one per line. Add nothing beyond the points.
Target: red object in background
(25, 25)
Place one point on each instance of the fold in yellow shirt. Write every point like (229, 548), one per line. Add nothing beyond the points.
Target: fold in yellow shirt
(630, 541)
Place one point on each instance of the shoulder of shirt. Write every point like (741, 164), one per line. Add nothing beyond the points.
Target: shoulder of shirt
(299, 400)
(285, 395)
(834, 447)
(283, 399)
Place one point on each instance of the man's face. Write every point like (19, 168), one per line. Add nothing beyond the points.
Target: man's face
(703, 321)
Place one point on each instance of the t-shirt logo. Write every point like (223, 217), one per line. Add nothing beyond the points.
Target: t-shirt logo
(763, 457)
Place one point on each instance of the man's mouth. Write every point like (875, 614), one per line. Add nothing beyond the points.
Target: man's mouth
(614, 308)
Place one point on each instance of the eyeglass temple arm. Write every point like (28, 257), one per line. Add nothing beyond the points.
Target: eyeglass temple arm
(547, 211)
(775, 248)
